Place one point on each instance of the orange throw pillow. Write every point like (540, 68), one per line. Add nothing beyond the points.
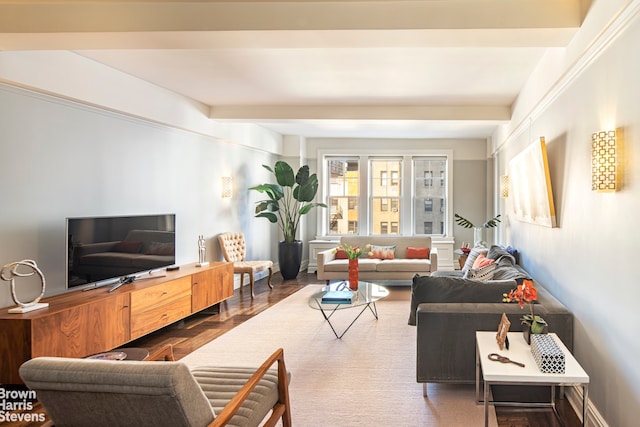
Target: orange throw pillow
(482, 261)
(417, 253)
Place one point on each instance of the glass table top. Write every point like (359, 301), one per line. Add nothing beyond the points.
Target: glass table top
(367, 293)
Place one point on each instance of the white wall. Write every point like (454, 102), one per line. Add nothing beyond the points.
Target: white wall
(61, 158)
(588, 261)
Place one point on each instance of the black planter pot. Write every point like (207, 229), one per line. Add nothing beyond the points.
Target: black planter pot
(290, 258)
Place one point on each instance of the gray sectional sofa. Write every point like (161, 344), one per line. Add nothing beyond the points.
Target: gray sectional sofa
(448, 310)
(399, 268)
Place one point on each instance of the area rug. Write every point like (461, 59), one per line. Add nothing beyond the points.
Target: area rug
(367, 378)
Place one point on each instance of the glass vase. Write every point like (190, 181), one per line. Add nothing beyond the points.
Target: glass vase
(353, 274)
(478, 236)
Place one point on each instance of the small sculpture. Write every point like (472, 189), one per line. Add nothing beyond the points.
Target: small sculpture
(10, 271)
(202, 252)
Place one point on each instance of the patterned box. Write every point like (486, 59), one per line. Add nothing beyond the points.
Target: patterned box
(547, 354)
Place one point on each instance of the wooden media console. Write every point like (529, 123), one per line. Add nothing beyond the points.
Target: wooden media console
(81, 323)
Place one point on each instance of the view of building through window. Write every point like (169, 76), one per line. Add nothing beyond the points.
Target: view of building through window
(387, 199)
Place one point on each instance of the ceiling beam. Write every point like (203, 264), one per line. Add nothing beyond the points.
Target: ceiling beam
(495, 113)
(152, 16)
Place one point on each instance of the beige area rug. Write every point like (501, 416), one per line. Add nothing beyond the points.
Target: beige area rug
(367, 378)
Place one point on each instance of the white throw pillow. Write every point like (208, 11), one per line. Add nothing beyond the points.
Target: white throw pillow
(468, 265)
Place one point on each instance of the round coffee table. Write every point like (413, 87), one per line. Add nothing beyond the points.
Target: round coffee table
(365, 297)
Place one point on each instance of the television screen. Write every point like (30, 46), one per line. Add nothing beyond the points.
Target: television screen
(103, 250)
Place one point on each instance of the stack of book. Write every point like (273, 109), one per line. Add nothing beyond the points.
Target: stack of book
(338, 297)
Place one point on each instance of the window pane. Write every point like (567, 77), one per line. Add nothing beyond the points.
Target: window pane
(386, 178)
(429, 194)
(344, 182)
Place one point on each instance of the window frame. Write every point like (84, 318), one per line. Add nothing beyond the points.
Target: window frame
(406, 180)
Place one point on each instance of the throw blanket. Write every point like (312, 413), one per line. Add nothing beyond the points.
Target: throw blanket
(506, 265)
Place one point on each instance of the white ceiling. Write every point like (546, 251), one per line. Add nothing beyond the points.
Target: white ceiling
(391, 69)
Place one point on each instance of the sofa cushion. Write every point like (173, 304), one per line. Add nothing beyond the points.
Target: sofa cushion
(341, 254)
(402, 264)
(417, 253)
(383, 252)
(442, 289)
(364, 264)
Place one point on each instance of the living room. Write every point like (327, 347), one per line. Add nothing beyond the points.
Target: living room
(82, 139)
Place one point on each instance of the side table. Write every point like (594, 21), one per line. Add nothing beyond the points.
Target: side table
(494, 372)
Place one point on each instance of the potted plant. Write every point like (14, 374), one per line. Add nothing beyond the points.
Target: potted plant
(478, 238)
(352, 254)
(526, 293)
(290, 198)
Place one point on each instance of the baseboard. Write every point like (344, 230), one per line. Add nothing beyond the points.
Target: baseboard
(594, 419)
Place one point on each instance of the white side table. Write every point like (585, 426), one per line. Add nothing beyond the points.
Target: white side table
(509, 373)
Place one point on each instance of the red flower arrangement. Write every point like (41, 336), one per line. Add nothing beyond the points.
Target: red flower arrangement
(527, 293)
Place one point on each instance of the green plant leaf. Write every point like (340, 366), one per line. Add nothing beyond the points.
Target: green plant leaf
(284, 174)
(303, 175)
(463, 222)
(269, 215)
(493, 222)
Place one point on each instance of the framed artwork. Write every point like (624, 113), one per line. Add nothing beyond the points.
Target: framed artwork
(503, 329)
(530, 183)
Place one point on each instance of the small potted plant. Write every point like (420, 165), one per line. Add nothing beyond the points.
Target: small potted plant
(478, 238)
(526, 293)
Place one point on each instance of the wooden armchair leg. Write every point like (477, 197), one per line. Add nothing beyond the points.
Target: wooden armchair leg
(164, 353)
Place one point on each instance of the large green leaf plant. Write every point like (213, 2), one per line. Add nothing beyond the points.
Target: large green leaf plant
(289, 199)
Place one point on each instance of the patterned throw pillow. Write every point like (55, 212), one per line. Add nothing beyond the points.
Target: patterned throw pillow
(468, 265)
(417, 253)
(383, 252)
(482, 274)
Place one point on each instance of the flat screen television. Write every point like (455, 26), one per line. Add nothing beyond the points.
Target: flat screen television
(109, 250)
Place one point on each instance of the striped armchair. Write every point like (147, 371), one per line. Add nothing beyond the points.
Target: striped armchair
(87, 392)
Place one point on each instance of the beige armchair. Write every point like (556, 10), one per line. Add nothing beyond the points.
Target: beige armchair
(234, 250)
(87, 392)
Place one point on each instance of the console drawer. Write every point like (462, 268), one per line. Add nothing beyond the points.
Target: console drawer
(155, 296)
(156, 318)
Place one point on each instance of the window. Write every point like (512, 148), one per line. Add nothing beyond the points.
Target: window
(428, 195)
(377, 194)
(384, 192)
(343, 193)
(428, 178)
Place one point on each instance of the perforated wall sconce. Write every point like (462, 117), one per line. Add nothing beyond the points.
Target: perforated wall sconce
(604, 161)
(504, 186)
(227, 187)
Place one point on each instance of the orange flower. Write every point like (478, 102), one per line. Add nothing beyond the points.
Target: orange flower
(522, 294)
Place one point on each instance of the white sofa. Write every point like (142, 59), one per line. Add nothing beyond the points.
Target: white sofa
(399, 268)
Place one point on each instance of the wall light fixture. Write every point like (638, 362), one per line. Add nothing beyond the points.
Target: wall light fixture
(604, 161)
(227, 187)
(504, 186)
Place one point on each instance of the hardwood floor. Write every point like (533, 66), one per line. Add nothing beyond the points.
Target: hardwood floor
(197, 330)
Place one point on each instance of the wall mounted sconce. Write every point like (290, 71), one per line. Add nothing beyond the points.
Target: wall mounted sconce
(604, 161)
(227, 187)
(504, 186)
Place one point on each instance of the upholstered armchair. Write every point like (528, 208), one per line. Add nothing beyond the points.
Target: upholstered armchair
(88, 392)
(234, 249)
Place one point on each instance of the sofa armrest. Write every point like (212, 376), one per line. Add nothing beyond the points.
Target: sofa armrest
(433, 258)
(323, 258)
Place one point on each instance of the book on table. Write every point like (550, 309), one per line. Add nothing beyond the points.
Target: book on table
(338, 297)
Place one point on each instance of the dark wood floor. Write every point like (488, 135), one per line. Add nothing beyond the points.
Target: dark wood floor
(197, 330)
